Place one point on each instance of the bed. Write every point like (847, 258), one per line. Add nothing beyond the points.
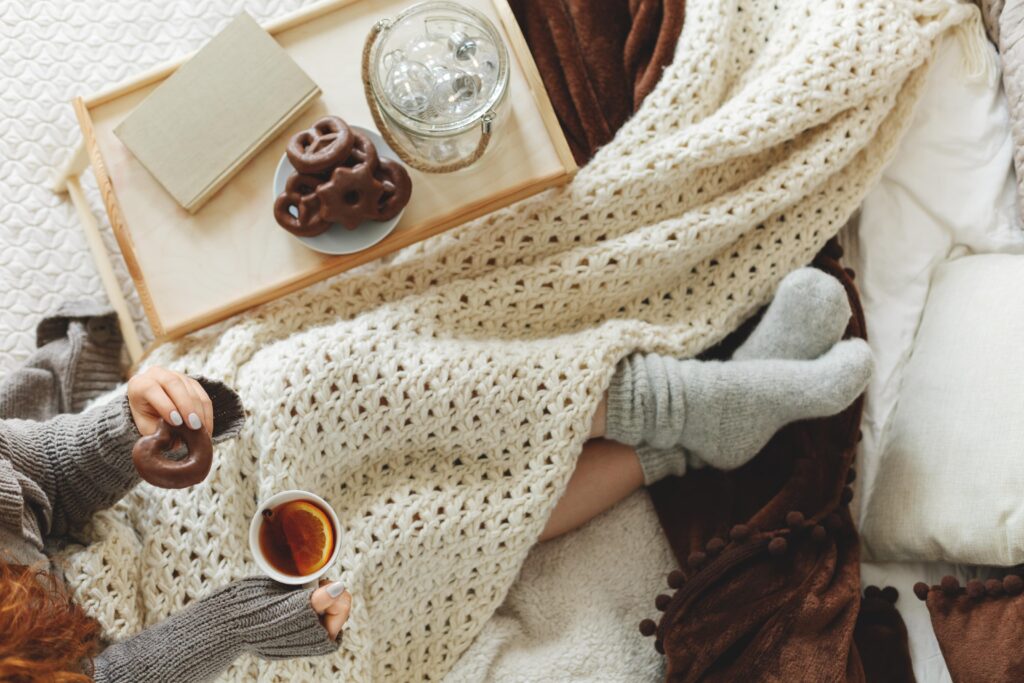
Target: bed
(961, 132)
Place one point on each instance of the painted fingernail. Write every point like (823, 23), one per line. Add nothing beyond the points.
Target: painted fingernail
(336, 589)
(176, 418)
(193, 421)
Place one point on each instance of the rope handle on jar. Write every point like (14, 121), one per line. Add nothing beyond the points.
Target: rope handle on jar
(385, 132)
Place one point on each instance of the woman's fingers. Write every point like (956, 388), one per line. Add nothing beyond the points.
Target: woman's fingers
(186, 405)
(148, 404)
(200, 397)
(326, 595)
(177, 398)
(333, 603)
(335, 621)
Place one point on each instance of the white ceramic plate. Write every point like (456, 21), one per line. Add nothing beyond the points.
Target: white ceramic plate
(338, 239)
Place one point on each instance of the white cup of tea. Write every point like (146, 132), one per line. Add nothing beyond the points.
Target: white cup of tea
(287, 537)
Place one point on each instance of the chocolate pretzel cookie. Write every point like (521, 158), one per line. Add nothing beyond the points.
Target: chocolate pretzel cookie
(346, 189)
(321, 147)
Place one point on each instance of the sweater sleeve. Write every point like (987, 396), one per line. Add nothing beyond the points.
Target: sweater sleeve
(82, 463)
(254, 615)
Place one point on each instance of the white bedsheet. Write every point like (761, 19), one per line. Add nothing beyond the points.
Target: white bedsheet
(948, 192)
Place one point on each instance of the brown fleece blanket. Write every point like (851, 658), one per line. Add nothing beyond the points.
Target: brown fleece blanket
(598, 59)
(770, 582)
(770, 585)
(978, 626)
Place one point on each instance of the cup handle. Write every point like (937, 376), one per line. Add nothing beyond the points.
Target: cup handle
(371, 101)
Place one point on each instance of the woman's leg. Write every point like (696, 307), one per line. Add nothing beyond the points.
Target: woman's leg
(719, 413)
(606, 473)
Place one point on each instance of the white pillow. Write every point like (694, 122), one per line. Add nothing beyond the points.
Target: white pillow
(949, 189)
(950, 481)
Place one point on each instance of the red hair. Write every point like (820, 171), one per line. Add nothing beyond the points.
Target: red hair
(46, 636)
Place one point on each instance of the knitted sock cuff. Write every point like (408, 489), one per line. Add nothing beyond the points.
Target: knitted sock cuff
(624, 421)
(647, 401)
(658, 463)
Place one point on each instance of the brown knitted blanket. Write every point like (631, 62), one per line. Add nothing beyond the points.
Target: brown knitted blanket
(769, 586)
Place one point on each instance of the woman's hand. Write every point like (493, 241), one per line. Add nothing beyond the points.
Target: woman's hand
(333, 603)
(164, 394)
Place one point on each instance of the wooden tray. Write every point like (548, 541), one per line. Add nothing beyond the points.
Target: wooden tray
(194, 270)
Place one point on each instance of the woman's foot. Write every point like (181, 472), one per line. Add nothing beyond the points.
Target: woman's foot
(723, 413)
(808, 315)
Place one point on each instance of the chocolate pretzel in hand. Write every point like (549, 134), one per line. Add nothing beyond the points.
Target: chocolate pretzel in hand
(151, 456)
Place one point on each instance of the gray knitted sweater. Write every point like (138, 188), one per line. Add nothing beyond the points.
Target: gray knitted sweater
(56, 473)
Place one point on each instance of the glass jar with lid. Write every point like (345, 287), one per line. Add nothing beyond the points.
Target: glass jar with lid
(436, 79)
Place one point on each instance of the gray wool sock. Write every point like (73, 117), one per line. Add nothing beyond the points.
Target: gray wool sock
(808, 315)
(723, 413)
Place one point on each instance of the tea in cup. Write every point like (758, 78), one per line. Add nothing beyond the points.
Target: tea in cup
(295, 537)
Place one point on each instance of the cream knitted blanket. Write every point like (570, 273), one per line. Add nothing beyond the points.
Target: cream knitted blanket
(439, 399)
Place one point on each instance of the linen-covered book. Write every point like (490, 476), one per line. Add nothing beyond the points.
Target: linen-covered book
(213, 114)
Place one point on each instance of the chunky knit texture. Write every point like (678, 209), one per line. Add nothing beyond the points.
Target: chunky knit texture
(438, 399)
(56, 472)
(78, 359)
(255, 615)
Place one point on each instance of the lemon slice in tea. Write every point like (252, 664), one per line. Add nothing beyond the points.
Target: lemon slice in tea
(309, 534)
